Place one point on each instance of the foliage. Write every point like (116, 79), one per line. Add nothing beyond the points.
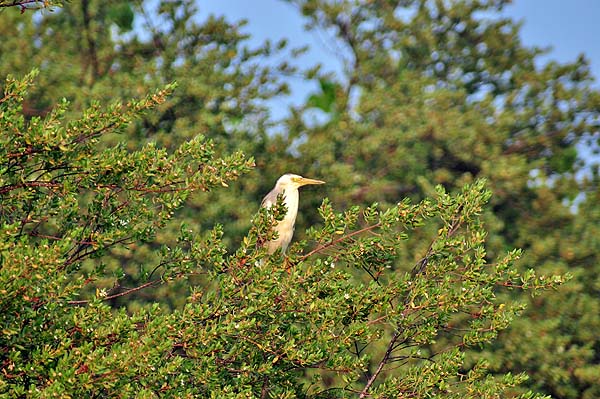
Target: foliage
(24, 5)
(433, 93)
(444, 92)
(255, 327)
(85, 56)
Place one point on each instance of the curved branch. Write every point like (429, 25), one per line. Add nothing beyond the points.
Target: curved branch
(24, 4)
(336, 241)
(126, 292)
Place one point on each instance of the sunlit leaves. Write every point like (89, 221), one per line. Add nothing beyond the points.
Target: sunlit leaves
(252, 322)
(66, 201)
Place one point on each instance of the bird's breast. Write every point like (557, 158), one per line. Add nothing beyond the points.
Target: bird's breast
(291, 204)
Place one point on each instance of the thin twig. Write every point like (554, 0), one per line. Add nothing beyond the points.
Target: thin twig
(19, 3)
(419, 268)
(336, 241)
(382, 363)
(126, 292)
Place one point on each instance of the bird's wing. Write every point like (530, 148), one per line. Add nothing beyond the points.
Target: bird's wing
(270, 199)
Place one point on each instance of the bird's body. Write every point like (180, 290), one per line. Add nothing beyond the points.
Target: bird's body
(287, 186)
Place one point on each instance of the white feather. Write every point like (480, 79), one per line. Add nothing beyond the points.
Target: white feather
(287, 185)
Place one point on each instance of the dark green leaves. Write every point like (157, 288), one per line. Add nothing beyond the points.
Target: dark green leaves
(114, 281)
(325, 100)
(122, 15)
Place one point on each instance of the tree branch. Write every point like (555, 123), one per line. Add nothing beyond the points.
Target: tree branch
(418, 269)
(336, 241)
(24, 4)
(120, 294)
(91, 53)
(382, 363)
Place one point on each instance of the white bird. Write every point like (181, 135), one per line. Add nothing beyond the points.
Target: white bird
(287, 185)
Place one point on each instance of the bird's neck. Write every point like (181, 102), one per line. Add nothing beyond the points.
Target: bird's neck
(291, 203)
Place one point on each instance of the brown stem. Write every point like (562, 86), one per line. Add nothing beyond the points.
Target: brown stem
(11, 187)
(419, 268)
(90, 41)
(20, 3)
(382, 363)
(264, 392)
(338, 240)
(126, 292)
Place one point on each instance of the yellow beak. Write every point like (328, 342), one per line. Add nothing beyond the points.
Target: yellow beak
(305, 181)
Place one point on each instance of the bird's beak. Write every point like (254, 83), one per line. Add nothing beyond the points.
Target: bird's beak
(305, 181)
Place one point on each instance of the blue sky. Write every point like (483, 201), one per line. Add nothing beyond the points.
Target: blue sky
(570, 27)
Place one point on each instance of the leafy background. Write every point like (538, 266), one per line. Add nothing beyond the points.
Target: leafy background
(445, 97)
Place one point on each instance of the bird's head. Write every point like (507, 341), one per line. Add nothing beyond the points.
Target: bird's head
(290, 180)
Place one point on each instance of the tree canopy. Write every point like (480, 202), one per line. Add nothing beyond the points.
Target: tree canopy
(132, 163)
